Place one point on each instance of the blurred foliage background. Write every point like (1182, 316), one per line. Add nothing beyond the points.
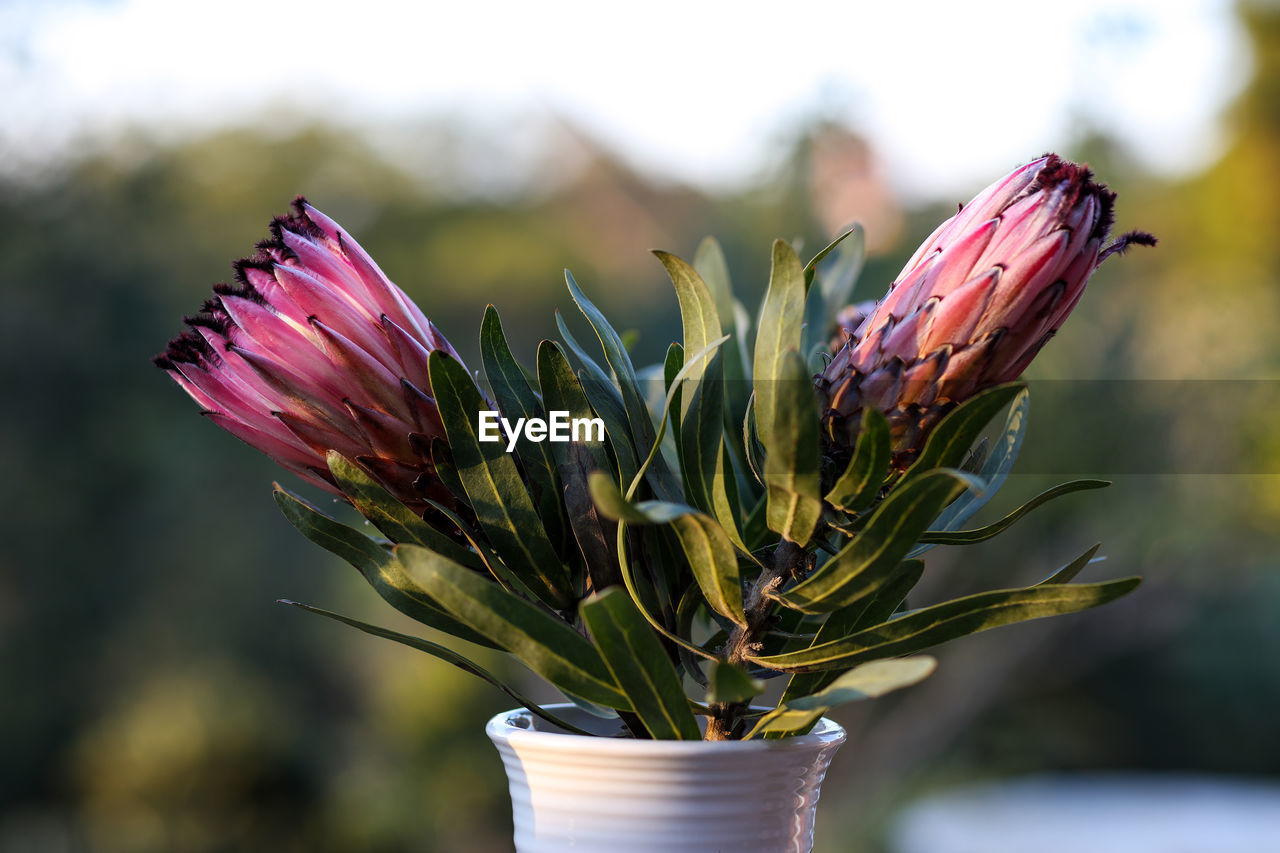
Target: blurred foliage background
(154, 697)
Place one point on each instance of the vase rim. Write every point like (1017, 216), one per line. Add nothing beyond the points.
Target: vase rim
(517, 725)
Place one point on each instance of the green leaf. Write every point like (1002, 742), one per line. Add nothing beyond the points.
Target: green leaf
(1068, 573)
(547, 645)
(710, 264)
(861, 614)
(396, 521)
(494, 488)
(376, 564)
(606, 400)
(616, 507)
(664, 417)
(713, 270)
(575, 461)
(561, 391)
(967, 537)
(793, 453)
(731, 685)
(639, 665)
(714, 563)
(780, 332)
(492, 564)
(702, 432)
(940, 623)
(615, 354)
(868, 681)
(996, 467)
(862, 566)
(448, 656)
(751, 442)
(858, 487)
(671, 367)
(516, 399)
(955, 434)
(726, 505)
(442, 461)
(697, 310)
(837, 279)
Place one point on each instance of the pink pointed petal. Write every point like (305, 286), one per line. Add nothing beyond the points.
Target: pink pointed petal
(320, 438)
(956, 264)
(958, 314)
(369, 382)
(426, 414)
(321, 300)
(387, 436)
(286, 454)
(313, 394)
(1021, 282)
(411, 355)
(904, 340)
(270, 332)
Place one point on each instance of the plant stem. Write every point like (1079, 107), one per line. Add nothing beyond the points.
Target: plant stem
(745, 639)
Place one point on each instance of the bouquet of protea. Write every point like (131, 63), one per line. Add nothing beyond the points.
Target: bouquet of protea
(663, 557)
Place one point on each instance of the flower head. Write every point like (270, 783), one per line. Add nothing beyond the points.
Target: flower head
(315, 349)
(975, 303)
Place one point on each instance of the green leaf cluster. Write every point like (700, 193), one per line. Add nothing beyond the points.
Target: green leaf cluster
(706, 543)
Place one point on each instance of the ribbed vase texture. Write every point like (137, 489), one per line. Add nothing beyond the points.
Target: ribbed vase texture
(619, 795)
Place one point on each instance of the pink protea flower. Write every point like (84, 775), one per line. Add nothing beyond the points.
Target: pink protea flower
(974, 304)
(315, 349)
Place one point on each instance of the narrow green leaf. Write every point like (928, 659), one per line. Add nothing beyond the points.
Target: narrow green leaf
(697, 313)
(611, 502)
(442, 461)
(615, 354)
(751, 442)
(639, 664)
(868, 681)
(726, 505)
(1068, 573)
(930, 626)
(702, 431)
(793, 453)
(396, 521)
(547, 645)
(562, 391)
(955, 434)
(780, 332)
(837, 278)
(376, 565)
(492, 564)
(445, 654)
(714, 563)
(606, 400)
(862, 566)
(494, 488)
(858, 486)
(516, 399)
(713, 269)
(981, 534)
(857, 616)
(664, 417)
(730, 684)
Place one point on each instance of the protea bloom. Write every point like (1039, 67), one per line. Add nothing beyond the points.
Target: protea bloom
(975, 303)
(314, 349)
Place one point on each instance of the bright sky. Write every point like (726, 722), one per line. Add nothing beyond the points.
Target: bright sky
(951, 93)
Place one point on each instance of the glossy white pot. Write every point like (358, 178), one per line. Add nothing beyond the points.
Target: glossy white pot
(619, 795)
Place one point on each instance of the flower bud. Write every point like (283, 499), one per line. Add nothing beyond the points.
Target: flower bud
(975, 303)
(315, 349)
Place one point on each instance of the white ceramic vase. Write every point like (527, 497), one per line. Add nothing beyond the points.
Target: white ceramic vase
(620, 795)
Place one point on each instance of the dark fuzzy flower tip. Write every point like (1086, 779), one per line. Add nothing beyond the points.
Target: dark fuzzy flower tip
(1124, 241)
(186, 348)
(1080, 184)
